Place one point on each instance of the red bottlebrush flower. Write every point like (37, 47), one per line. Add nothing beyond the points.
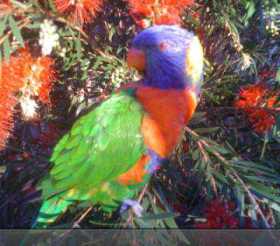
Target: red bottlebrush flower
(271, 101)
(38, 78)
(6, 7)
(7, 103)
(13, 72)
(81, 11)
(167, 19)
(44, 73)
(219, 215)
(26, 74)
(252, 100)
(250, 96)
(261, 120)
(11, 81)
(36, 74)
(158, 11)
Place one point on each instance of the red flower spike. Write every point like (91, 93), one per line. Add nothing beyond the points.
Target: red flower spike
(158, 11)
(29, 75)
(6, 116)
(81, 11)
(271, 101)
(219, 215)
(250, 96)
(46, 76)
(35, 73)
(6, 7)
(261, 120)
(11, 81)
(254, 102)
(167, 20)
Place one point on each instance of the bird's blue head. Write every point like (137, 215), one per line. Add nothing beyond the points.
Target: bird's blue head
(169, 56)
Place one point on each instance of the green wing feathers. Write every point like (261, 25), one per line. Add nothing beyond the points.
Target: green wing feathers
(51, 209)
(101, 145)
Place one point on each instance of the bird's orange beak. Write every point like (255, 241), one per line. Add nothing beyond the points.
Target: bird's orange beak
(136, 58)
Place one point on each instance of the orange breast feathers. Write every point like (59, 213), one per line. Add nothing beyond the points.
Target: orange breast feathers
(135, 174)
(168, 111)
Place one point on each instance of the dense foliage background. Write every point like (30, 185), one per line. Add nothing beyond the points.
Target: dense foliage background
(59, 58)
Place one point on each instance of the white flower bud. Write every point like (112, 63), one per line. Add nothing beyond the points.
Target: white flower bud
(29, 107)
(48, 38)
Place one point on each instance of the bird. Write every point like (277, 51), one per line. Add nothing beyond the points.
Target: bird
(111, 152)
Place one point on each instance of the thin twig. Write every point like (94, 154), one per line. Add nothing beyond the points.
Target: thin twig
(264, 146)
(76, 223)
(81, 218)
(129, 220)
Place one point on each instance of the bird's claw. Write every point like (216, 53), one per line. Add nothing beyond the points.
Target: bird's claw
(76, 226)
(135, 205)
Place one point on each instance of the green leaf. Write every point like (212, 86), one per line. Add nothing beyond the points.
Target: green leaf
(15, 30)
(3, 25)
(262, 179)
(251, 9)
(195, 154)
(218, 148)
(34, 25)
(240, 199)
(253, 166)
(7, 49)
(160, 216)
(265, 191)
(78, 47)
(52, 6)
(170, 223)
(277, 78)
(276, 130)
(220, 177)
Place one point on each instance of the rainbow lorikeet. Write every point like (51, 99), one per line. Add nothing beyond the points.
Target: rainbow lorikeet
(112, 151)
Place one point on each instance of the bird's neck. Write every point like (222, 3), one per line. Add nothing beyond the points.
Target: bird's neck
(167, 112)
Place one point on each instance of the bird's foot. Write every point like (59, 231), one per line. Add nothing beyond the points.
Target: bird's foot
(135, 205)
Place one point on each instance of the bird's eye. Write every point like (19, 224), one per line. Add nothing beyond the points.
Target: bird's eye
(163, 46)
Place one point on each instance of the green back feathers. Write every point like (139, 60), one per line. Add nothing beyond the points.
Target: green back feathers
(101, 145)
